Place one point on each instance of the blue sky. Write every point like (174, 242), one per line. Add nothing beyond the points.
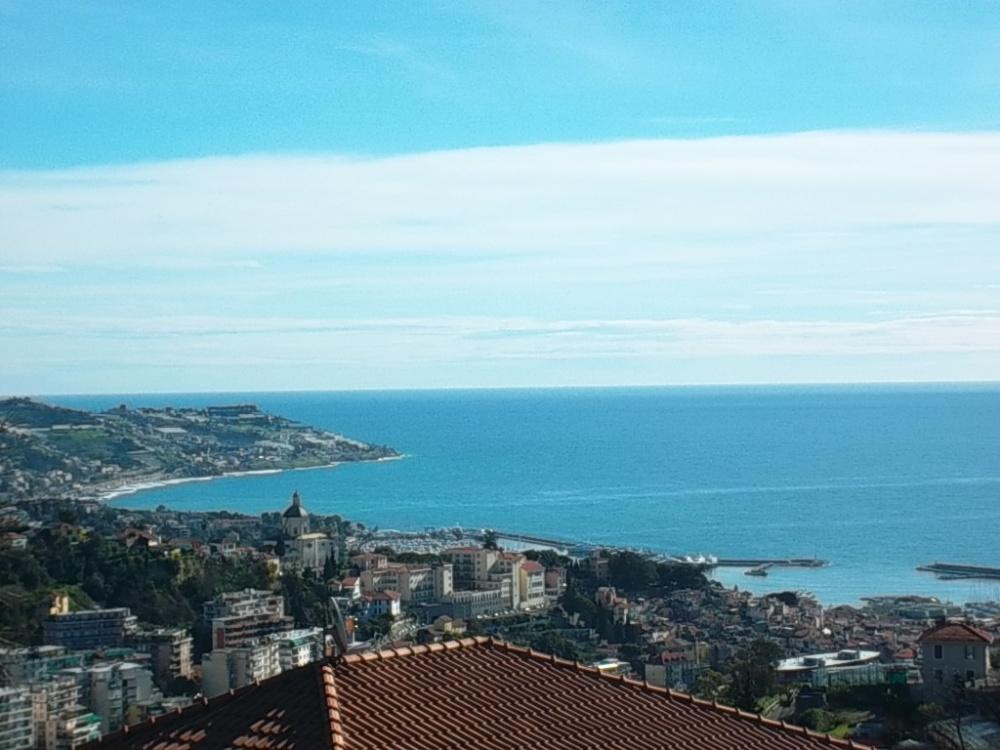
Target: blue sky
(239, 196)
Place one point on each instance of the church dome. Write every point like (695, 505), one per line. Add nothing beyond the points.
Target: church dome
(295, 510)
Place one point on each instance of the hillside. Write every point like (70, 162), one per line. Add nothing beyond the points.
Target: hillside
(51, 451)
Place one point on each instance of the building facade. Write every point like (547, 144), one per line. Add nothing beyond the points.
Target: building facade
(953, 654)
(169, 650)
(241, 617)
(88, 629)
(227, 669)
(17, 729)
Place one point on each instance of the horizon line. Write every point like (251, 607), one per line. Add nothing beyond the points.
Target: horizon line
(563, 387)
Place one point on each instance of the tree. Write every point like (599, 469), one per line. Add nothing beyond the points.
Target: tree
(329, 569)
(629, 652)
(631, 571)
(753, 674)
(575, 603)
(490, 539)
(680, 576)
(547, 557)
(551, 642)
(710, 685)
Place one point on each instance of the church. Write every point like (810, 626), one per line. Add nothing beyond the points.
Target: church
(304, 549)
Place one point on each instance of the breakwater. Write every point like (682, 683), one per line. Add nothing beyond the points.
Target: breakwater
(959, 571)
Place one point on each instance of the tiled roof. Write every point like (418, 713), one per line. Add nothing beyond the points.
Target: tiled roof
(288, 712)
(955, 632)
(474, 693)
(530, 566)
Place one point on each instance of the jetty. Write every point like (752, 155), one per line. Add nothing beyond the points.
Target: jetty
(574, 549)
(765, 563)
(960, 571)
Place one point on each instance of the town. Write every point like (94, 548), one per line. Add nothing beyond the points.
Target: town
(113, 616)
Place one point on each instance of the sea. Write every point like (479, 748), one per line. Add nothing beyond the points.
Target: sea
(876, 479)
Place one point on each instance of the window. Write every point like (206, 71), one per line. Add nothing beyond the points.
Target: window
(970, 652)
(938, 676)
(937, 650)
(970, 676)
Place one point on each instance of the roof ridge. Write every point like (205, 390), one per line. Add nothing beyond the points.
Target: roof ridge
(195, 709)
(525, 652)
(677, 695)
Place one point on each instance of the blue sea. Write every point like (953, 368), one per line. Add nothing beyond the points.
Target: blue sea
(875, 479)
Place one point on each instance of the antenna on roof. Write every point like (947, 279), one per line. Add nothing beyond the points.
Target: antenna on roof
(339, 629)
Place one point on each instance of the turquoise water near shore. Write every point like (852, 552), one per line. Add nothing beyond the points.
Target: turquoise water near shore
(875, 479)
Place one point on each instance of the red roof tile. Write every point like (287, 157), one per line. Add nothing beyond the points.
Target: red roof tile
(531, 566)
(955, 632)
(475, 693)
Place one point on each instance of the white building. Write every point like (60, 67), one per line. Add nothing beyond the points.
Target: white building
(479, 569)
(74, 728)
(852, 665)
(114, 688)
(380, 604)
(304, 549)
(242, 617)
(295, 519)
(299, 647)
(532, 584)
(415, 584)
(227, 669)
(953, 653)
(310, 552)
(17, 730)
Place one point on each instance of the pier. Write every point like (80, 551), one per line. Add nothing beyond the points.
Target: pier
(764, 563)
(582, 548)
(960, 571)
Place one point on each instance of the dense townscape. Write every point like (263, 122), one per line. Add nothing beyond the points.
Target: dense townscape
(113, 616)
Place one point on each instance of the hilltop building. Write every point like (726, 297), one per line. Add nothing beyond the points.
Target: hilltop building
(295, 519)
(304, 549)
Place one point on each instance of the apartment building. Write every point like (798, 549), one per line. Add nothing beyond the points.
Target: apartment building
(478, 568)
(17, 730)
(169, 650)
(531, 583)
(114, 688)
(241, 617)
(227, 669)
(297, 648)
(32, 664)
(415, 584)
(61, 722)
(88, 629)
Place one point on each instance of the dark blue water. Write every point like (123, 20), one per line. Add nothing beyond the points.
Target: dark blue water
(875, 479)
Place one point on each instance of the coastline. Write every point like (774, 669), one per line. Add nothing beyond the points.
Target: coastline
(136, 486)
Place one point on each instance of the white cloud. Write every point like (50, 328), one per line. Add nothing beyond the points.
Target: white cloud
(454, 338)
(841, 255)
(663, 197)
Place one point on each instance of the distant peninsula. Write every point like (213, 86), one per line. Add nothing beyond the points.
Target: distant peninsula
(49, 451)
